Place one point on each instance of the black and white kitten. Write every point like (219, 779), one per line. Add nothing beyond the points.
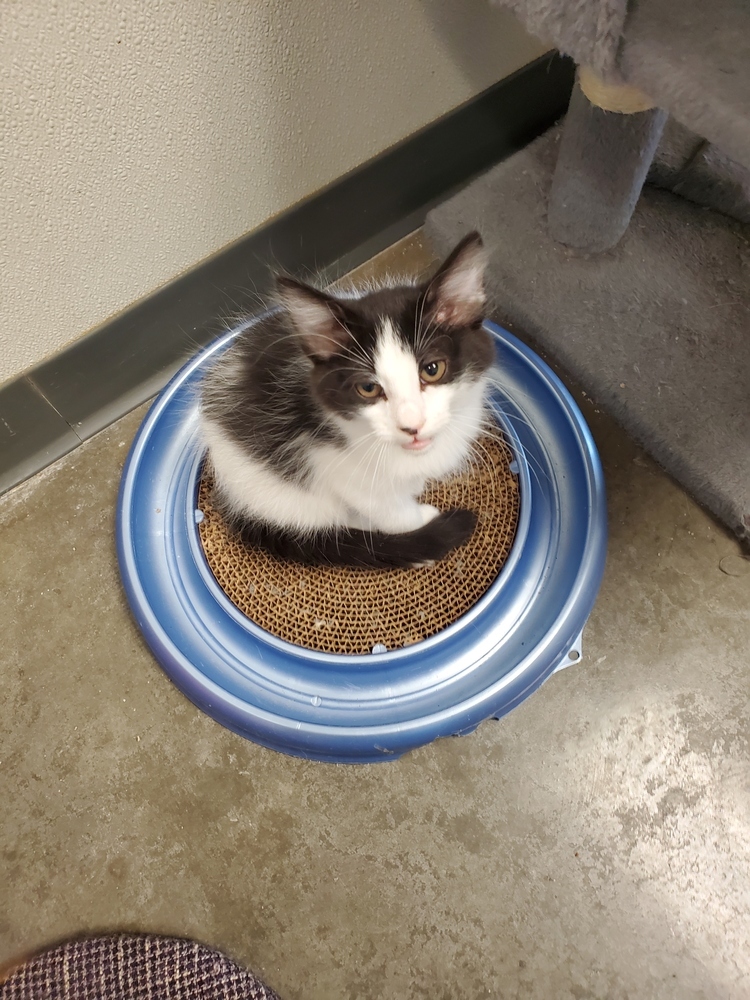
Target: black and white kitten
(325, 420)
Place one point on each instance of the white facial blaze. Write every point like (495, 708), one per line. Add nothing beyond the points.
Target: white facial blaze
(396, 370)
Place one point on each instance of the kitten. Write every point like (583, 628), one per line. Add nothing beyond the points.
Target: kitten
(324, 420)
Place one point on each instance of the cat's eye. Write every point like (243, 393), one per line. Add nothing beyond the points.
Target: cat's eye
(432, 371)
(369, 390)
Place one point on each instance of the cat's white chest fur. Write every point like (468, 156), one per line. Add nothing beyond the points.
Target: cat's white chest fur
(372, 483)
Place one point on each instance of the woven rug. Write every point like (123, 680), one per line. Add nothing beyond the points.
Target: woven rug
(131, 967)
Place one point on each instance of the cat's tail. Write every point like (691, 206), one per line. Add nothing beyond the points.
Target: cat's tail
(365, 549)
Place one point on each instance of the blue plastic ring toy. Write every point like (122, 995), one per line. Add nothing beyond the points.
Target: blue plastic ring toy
(351, 709)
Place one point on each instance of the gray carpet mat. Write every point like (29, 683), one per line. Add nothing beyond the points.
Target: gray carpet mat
(656, 330)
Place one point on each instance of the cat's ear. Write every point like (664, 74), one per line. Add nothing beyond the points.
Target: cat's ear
(318, 318)
(455, 296)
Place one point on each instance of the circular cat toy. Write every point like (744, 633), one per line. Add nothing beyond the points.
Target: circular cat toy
(356, 662)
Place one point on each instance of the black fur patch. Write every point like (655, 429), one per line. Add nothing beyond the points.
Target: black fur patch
(365, 549)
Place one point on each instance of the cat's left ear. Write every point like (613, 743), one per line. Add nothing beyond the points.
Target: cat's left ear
(455, 296)
(318, 318)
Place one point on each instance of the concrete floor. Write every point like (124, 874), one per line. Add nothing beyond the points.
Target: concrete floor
(595, 843)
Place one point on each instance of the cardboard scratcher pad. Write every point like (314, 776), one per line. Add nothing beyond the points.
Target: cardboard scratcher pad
(341, 610)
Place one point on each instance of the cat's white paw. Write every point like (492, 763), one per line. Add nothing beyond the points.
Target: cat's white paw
(427, 513)
(404, 516)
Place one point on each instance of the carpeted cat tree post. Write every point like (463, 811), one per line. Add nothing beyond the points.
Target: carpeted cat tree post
(609, 140)
(613, 127)
(640, 292)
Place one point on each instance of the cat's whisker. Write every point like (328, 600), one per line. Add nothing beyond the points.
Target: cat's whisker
(380, 453)
(358, 354)
(494, 431)
(530, 460)
(420, 340)
(424, 331)
(533, 464)
(346, 454)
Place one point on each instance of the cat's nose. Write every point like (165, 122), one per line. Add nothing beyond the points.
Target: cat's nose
(411, 431)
